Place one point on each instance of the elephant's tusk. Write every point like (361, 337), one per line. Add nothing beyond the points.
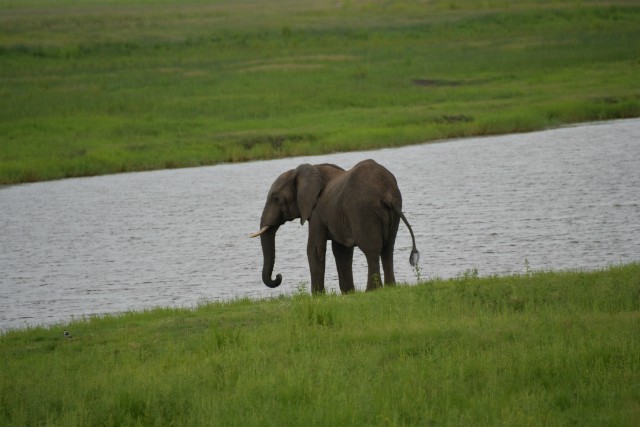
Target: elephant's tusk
(262, 230)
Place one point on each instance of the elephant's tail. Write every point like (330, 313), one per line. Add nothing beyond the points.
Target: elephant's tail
(415, 255)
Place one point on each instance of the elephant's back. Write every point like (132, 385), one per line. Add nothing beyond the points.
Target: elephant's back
(378, 181)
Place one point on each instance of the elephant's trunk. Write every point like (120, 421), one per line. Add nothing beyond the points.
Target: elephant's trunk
(268, 242)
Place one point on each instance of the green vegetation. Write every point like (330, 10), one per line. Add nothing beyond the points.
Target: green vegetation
(536, 349)
(103, 86)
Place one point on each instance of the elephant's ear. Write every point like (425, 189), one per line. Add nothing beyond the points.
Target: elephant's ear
(309, 183)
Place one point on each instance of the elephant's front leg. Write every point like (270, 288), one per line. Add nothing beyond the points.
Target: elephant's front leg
(316, 252)
(344, 262)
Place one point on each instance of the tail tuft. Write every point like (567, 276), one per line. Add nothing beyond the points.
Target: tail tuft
(414, 258)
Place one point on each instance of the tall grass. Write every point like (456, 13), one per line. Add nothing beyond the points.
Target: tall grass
(537, 349)
(119, 85)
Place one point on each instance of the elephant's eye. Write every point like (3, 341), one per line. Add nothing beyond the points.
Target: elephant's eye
(275, 198)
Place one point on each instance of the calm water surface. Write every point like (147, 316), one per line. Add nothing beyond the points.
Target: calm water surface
(558, 199)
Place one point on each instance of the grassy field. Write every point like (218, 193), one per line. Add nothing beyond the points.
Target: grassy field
(536, 349)
(105, 86)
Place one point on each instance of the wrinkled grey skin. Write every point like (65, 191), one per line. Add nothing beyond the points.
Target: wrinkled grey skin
(360, 207)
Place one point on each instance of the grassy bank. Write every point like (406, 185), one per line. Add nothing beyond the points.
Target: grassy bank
(120, 85)
(537, 349)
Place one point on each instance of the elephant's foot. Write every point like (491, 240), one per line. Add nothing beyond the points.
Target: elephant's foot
(374, 282)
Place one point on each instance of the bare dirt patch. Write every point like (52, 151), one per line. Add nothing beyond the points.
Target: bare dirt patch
(436, 83)
(281, 67)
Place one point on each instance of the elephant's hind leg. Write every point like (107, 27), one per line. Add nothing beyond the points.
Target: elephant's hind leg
(344, 262)
(387, 250)
(373, 263)
(387, 265)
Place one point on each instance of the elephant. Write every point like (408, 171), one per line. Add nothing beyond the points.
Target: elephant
(358, 207)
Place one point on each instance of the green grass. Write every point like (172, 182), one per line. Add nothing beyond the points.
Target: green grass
(542, 348)
(105, 86)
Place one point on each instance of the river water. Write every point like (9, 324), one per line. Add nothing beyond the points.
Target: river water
(567, 198)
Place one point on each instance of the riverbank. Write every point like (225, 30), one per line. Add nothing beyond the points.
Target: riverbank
(552, 348)
(103, 87)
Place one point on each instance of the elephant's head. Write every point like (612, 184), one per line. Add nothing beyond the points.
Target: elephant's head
(293, 195)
